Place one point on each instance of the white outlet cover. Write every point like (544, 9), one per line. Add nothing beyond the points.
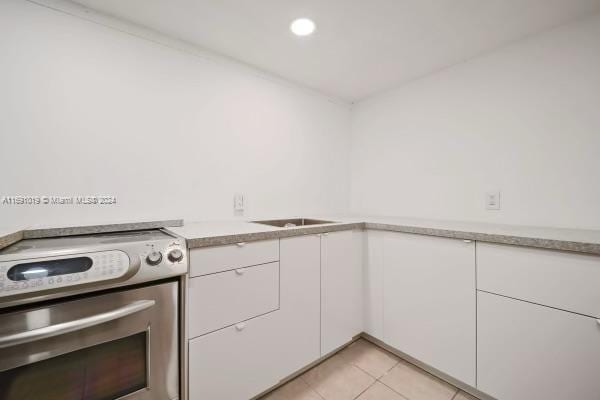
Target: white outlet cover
(238, 202)
(492, 200)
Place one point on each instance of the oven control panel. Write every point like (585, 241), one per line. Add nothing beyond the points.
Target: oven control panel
(54, 267)
(38, 274)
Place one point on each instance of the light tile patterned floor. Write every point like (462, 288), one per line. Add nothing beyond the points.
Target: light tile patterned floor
(363, 371)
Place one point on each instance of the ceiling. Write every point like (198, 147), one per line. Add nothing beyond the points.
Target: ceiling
(360, 47)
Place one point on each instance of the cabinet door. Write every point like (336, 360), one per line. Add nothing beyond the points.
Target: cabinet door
(341, 288)
(526, 351)
(430, 301)
(237, 362)
(373, 283)
(300, 304)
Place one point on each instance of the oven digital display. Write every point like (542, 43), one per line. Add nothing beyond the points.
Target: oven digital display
(43, 269)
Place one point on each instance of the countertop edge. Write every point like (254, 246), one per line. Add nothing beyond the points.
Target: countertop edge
(91, 229)
(543, 243)
(222, 240)
(10, 239)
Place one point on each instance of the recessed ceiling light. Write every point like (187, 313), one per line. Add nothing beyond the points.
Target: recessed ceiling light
(303, 27)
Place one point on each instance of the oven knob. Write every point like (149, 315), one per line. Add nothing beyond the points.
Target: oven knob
(175, 255)
(154, 258)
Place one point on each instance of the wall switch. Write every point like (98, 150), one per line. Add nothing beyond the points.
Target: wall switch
(238, 202)
(492, 200)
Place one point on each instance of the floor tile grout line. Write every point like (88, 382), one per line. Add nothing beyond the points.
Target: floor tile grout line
(362, 370)
(386, 372)
(395, 391)
(398, 361)
(387, 353)
(457, 390)
(367, 388)
(312, 389)
(317, 393)
(374, 377)
(358, 366)
(424, 371)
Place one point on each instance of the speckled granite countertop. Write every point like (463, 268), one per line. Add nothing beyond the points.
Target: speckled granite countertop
(203, 234)
(10, 236)
(576, 240)
(215, 233)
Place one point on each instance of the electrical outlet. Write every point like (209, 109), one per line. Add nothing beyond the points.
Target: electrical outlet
(492, 200)
(238, 202)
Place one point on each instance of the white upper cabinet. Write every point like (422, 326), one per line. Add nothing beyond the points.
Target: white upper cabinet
(300, 311)
(429, 301)
(526, 351)
(341, 288)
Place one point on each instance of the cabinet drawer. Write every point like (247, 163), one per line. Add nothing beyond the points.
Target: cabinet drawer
(238, 362)
(223, 258)
(526, 351)
(568, 281)
(223, 299)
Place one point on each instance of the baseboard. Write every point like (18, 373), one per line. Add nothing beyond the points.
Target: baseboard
(433, 371)
(306, 368)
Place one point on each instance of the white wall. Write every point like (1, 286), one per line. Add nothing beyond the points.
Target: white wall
(524, 119)
(86, 110)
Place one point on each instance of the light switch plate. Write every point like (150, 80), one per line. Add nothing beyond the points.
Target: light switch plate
(492, 200)
(238, 202)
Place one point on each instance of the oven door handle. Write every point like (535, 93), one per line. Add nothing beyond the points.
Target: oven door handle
(74, 325)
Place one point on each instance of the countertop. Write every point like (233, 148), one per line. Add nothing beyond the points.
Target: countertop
(212, 233)
(10, 236)
(215, 233)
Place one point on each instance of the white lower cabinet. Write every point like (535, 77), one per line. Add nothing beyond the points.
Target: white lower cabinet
(341, 288)
(429, 301)
(526, 351)
(225, 298)
(416, 293)
(243, 360)
(237, 362)
(559, 279)
(373, 283)
(300, 302)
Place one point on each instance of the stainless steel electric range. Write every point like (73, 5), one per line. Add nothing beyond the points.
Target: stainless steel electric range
(92, 317)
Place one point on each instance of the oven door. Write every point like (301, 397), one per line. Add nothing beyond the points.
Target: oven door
(120, 345)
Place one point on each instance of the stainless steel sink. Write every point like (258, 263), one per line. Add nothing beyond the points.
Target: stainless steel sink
(289, 223)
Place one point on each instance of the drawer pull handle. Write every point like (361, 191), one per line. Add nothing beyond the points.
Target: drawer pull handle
(240, 244)
(467, 241)
(239, 271)
(240, 327)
